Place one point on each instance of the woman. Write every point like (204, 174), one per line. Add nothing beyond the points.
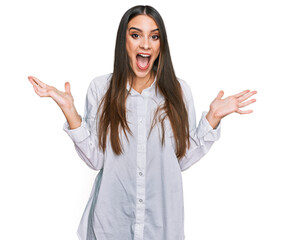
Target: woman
(139, 129)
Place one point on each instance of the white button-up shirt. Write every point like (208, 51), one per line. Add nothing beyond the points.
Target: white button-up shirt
(139, 194)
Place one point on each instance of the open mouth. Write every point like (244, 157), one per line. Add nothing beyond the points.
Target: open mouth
(143, 60)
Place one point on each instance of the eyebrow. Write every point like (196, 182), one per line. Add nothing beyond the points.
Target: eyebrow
(157, 29)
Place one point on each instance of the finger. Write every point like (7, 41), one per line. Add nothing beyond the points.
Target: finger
(241, 93)
(67, 87)
(220, 94)
(240, 105)
(246, 96)
(36, 90)
(32, 82)
(41, 84)
(40, 91)
(244, 111)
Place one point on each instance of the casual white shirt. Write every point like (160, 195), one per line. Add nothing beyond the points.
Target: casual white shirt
(139, 194)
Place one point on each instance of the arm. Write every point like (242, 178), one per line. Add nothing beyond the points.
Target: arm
(202, 137)
(209, 129)
(85, 137)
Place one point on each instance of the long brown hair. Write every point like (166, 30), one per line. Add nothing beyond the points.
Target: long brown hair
(113, 114)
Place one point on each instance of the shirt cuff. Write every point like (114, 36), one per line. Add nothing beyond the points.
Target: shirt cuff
(77, 134)
(206, 131)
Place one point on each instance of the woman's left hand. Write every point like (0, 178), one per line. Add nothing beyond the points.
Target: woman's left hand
(220, 108)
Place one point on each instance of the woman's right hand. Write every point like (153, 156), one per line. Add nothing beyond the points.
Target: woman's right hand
(63, 99)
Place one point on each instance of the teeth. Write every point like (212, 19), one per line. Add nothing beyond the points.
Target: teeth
(144, 55)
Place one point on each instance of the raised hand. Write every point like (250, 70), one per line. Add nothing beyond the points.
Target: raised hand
(220, 108)
(63, 99)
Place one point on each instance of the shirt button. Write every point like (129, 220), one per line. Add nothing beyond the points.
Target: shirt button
(140, 173)
(140, 200)
(141, 148)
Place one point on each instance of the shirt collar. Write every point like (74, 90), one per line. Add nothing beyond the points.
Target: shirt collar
(145, 91)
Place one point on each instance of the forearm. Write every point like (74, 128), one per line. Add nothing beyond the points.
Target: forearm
(201, 140)
(72, 117)
(85, 141)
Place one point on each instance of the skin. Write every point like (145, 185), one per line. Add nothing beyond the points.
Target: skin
(219, 108)
(147, 41)
(142, 36)
(63, 99)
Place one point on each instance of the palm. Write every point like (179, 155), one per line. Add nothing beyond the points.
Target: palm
(222, 107)
(63, 99)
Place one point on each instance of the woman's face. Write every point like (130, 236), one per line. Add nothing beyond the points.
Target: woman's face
(143, 44)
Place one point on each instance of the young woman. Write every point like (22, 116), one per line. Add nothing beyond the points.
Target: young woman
(139, 129)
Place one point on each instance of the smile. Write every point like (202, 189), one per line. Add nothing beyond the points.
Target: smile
(143, 60)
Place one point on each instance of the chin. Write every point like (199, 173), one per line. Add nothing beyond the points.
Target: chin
(141, 74)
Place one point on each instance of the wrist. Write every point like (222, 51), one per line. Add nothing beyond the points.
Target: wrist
(73, 118)
(69, 110)
(213, 119)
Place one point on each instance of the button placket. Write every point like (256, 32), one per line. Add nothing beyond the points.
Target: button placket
(141, 162)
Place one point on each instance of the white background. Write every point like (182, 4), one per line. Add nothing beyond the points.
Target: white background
(235, 192)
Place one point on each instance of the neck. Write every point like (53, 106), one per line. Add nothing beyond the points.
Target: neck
(141, 83)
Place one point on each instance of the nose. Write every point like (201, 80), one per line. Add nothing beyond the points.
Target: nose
(145, 44)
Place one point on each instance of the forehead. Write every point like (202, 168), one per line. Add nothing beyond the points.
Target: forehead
(144, 22)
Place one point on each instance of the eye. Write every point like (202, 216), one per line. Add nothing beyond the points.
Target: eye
(155, 37)
(134, 35)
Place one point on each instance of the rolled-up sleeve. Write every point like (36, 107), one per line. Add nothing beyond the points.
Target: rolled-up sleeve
(85, 137)
(202, 137)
